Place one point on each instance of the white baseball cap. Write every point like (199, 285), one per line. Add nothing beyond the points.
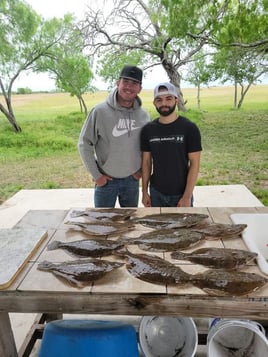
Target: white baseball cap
(164, 89)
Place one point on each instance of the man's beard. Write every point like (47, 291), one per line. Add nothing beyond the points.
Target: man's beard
(167, 111)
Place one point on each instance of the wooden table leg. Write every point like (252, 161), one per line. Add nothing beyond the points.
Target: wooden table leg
(7, 341)
(36, 332)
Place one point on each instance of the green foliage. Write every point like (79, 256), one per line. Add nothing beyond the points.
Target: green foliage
(27, 41)
(199, 71)
(110, 66)
(60, 136)
(188, 16)
(18, 25)
(24, 90)
(234, 147)
(225, 22)
(73, 75)
(245, 21)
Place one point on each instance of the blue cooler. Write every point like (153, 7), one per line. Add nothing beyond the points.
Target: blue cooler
(88, 338)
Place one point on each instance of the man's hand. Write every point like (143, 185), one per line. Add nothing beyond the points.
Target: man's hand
(184, 202)
(102, 181)
(146, 200)
(137, 175)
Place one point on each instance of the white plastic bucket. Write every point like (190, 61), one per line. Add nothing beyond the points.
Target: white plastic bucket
(161, 336)
(236, 338)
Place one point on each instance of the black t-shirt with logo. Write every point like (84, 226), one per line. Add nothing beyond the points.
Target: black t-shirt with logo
(169, 145)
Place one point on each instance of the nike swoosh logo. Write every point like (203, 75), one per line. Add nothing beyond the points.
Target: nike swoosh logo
(119, 132)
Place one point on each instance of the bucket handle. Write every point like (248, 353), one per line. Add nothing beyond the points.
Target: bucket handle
(261, 328)
(257, 324)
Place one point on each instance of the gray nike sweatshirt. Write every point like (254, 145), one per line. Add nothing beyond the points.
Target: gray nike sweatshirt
(109, 142)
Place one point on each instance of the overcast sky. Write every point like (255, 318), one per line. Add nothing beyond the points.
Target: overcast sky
(57, 8)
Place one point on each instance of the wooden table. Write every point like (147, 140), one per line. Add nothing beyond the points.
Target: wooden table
(119, 293)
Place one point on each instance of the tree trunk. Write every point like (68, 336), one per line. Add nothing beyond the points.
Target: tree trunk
(243, 94)
(83, 105)
(11, 118)
(175, 79)
(198, 96)
(8, 111)
(235, 96)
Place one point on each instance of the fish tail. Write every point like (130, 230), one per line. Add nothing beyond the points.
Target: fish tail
(45, 265)
(54, 245)
(121, 252)
(126, 239)
(183, 278)
(177, 255)
(123, 239)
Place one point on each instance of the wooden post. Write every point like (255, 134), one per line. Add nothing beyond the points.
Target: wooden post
(7, 341)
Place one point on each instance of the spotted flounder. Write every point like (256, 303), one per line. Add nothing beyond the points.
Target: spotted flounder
(166, 239)
(170, 220)
(218, 258)
(221, 230)
(113, 214)
(82, 272)
(153, 269)
(228, 283)
(87, 247)
(102, 228)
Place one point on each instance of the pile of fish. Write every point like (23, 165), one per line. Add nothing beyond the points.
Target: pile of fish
(172, 232)
(217, 283)
(102, 222)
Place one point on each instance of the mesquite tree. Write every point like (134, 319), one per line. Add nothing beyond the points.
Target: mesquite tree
(171, 33)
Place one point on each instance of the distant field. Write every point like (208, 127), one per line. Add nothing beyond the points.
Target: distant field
(212, 98)
(44, 154)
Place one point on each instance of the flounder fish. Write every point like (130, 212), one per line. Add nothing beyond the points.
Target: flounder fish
(87, 247)
(113, 214)
(166, 239)
(218, 258)
(82, 272)
(170, 220)
(216, 230)
(153, 269)
(228, 283)
(102, 228)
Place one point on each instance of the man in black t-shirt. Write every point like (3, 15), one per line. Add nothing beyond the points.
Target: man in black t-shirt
(171, 149)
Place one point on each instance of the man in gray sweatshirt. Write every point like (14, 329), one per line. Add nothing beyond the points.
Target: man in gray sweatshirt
(109, 142)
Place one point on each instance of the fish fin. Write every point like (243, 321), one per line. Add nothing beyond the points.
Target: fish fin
(76, 213)
(124, 239)
(54, 245)
(215, 292)
(178, 255)
(121, 251)
(45, 265)
(147, 247)
(71, 281)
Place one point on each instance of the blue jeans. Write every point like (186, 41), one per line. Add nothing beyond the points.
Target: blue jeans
(159, 199)
(125, 189)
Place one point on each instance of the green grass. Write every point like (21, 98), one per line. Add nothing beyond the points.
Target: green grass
(44, 154)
